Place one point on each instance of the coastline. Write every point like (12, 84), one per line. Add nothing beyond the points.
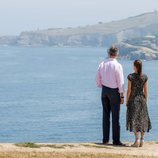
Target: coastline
(79, 150)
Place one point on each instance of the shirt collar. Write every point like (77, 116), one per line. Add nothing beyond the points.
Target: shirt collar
(112, 59)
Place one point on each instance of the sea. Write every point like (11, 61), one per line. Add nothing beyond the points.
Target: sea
(49, 95)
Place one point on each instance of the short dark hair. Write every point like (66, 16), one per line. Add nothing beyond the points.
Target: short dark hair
(113, 51)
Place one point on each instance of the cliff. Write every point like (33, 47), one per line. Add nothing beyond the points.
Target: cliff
(145, 48)
(99, 35)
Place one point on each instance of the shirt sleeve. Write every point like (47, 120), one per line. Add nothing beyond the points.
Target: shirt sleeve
(146, 78)
(129, 77)
(120, 79)
(98, 78)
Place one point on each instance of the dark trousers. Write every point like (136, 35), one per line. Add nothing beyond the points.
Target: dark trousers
(111, 104)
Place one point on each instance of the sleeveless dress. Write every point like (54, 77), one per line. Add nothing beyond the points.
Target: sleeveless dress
(137, 113)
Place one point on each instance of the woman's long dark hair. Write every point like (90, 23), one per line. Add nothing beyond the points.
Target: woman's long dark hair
(138, 65)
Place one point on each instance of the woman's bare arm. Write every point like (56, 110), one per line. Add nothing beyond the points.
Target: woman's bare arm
(146, 90)
(128, 92)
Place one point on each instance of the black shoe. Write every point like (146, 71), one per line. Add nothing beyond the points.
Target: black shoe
(105, 143)
(119, 144)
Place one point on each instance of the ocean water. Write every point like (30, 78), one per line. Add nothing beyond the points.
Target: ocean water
(50, 95)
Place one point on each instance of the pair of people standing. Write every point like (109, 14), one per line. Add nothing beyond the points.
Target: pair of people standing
(111, 79)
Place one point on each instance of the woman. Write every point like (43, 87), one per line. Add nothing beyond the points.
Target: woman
(138, 120)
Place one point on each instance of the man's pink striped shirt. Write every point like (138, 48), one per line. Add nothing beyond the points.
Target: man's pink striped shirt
(110, 74)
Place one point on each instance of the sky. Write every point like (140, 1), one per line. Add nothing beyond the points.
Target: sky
(24, 15)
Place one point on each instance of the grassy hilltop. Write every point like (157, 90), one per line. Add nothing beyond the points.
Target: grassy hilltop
(99, 35)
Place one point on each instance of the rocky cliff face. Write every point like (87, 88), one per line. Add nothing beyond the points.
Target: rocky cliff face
(132, 52)
(140, 48)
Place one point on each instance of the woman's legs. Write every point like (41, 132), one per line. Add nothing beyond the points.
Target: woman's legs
(142, 139)
(142, 135)
(136, 136)
(136, 143)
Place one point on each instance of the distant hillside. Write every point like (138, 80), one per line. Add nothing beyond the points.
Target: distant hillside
(140, 48)
(99, 35)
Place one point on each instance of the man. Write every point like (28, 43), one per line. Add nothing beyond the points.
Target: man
(111, 79)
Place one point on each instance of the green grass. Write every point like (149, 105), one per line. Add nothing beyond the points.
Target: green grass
(58, 146)
(28, 145)
(33, 145)
(53, 146)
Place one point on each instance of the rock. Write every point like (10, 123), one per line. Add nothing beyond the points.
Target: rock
(131, 52)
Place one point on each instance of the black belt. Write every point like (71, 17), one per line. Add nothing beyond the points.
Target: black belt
(110, 88)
